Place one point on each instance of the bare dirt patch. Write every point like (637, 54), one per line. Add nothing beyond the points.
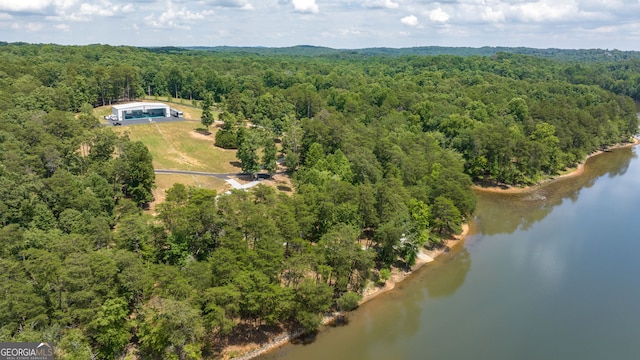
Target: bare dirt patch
(282, 183)
(200, 135)
(183, 158)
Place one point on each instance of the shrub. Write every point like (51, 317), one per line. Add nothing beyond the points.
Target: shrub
(383, 276)
(226, 139)
(349, 301)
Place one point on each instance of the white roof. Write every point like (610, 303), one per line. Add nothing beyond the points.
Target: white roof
(139, 105)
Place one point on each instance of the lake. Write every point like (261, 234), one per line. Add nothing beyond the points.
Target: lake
(552, 274)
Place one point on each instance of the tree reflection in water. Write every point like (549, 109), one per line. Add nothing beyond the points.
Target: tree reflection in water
(458, 265)
(505, 213)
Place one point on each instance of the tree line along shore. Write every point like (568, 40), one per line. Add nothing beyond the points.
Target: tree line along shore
(575, 171)
(382, 152)
(253, 350)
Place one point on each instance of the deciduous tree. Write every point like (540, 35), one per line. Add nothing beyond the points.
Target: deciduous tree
(207, 117)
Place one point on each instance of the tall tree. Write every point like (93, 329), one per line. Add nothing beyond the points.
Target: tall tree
(171, 329)
(207, 117)
(135, 172)
(111, 328)
(270, 157)
(312, 299)
(248, 153)
(518, 108)
(446, 217)
(175, 79)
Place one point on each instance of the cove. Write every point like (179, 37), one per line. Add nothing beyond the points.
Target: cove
(551, 274)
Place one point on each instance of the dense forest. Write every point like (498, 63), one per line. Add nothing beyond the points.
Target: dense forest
(382, 150)
(575, 55)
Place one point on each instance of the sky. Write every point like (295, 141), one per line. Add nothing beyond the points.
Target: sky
(340, 24)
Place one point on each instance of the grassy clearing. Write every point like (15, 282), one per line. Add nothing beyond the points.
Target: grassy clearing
(178, 146)
(165, 181)
(101, 112)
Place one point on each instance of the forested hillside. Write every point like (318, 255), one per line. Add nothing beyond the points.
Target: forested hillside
(382, 150)
(575, 55)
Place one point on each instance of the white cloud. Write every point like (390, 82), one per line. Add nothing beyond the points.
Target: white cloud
(351, 24)
(599, 5)
(34, 26)
(241, 4)
(410, 20)
(17, 6)
(31, 26)
(64, 4)
(95, 9)
(305, 6)
(87, 11)
(381, 4)
(493, 16)
(541, 11)
(175, 18)
(438, 15)
(349, 32)
(63, 27)
(66, 10)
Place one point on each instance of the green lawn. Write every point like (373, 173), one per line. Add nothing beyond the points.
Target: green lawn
(178, 146)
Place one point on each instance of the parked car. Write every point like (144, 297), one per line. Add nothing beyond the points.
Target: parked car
(176, 113)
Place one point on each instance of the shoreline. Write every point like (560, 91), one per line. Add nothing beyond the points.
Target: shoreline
(577, 171)
(372, 291)
(424, 257)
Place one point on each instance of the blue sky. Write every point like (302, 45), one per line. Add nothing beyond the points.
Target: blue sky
(569, 24)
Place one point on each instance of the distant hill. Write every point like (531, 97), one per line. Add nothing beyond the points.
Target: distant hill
(579, 55)
(568, 55)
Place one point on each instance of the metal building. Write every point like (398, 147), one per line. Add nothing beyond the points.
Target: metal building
(140, 110)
